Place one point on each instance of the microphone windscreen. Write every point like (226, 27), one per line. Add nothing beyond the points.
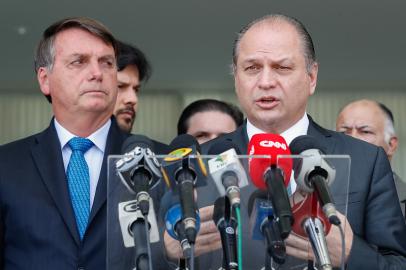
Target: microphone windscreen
(136, 140)
(219, 209)
(222, 146)
(305, 142)
(184, 141)
(257, 194)
(273, 145)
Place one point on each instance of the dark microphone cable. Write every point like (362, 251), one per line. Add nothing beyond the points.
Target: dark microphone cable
(148, 242)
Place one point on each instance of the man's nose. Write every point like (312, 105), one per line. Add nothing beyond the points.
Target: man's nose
(267, 78)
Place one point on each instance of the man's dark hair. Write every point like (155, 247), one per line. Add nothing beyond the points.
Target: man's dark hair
(206, 105)
(387, 112)
(45, 53)
(307, 42)
(131, 55)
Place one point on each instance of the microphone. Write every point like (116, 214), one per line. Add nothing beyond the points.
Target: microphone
(139, 170)
(227, 226)
(181, 170)
(314, 173)
(128, 213)
(226, 170)
(273, 174)
(134, 224)
(263, 225)
(173, 221)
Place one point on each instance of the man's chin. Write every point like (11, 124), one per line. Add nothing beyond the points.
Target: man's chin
(124, 124)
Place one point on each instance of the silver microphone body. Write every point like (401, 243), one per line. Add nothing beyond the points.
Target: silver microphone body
(315, 231)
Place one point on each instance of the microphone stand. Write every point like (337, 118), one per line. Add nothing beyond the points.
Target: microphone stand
(275, 246)
(140, 250)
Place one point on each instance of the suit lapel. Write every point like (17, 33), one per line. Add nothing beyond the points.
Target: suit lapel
(322, 135)
(115, 140)
(47, 156)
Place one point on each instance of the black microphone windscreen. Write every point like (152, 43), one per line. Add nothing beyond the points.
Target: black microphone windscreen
(184, 141)
(257, 194)
(305, 142)
(222, 146)
(136, 140)
(219, 209)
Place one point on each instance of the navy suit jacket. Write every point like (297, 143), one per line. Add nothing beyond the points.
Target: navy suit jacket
(373, 211)
(37, 222)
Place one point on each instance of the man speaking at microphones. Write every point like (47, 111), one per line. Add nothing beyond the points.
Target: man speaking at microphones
(275, 72)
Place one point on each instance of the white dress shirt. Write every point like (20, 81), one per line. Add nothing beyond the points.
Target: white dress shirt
(298, 129)
(94, 156)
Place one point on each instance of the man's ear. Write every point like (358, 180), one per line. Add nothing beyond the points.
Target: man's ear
(393, 145)
(43, 80)
(313, 77)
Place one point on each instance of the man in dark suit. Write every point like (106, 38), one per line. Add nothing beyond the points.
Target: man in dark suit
(52, 190)
(275, 72)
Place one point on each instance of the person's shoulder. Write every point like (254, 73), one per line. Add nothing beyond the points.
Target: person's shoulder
(18, 145)
(237, 137)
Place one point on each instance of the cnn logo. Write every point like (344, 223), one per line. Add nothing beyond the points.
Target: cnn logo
(273, 144)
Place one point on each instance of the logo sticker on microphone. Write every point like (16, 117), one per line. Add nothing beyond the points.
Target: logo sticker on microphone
(178, 154)
(229, 230)
(273, 144)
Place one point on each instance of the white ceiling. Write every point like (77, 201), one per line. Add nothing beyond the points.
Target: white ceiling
(188, 42)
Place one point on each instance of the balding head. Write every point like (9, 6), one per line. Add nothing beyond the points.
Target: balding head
(369, 121)
(274, 19)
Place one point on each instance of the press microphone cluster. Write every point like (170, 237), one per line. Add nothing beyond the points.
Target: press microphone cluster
(226, 170)
(264, 226)
(138, 171)
(314, 173)
(183, 170)
(272, 173)
(227, 226)
(315, 213)
(172, 214)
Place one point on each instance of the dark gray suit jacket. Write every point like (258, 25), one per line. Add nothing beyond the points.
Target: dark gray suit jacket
(373, 211)
(37, 223)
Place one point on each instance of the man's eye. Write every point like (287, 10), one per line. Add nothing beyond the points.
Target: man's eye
(108, 63)
(253, 67)
(367, 132)
(77, 62)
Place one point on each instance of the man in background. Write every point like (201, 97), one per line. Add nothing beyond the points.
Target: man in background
(206, 119)
(133, 69)
(275, 73)
(372, 122)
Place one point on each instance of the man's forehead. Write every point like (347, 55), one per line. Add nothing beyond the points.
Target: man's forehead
(70, 36)
(362, 116)
(270, 38)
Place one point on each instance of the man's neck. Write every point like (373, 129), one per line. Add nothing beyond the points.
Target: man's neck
(298, 128)
(82, 126)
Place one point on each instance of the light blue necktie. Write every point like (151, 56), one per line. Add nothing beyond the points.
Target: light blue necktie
(79, 181)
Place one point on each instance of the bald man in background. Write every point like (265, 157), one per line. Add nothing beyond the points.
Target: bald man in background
(373, 122)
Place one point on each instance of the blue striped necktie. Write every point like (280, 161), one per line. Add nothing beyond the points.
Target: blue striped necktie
(79, 182)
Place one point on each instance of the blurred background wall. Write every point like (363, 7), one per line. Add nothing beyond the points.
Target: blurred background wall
(359, 45)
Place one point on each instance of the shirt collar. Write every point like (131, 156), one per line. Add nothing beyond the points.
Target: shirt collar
(99, 137)
(298, 129)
